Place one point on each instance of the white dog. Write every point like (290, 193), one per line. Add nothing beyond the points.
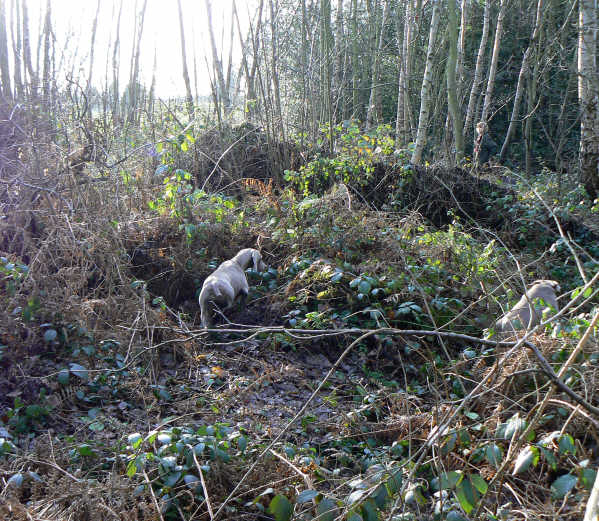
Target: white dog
(527, 313)
(228, 282)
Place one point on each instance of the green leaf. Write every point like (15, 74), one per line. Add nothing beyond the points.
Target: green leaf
(281, 508)
(364, 287)
(325, 511)
(494, 454)
(528, 456)
(50, 335)
(135, 440)
(587, 478)
(566, 445)
(479, 483)
(551, 459)
(369, 511)
(448, 480)
(16, 480)
(85, 450)
(562, 485)
(171, 479)
(63, 377)
(306, 495)
(132, 468)
(354, 497)
(79, 371)
(242, 443)
(394, 482)
(465, 495)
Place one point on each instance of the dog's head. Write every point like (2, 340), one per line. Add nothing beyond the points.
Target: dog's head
(259, 264)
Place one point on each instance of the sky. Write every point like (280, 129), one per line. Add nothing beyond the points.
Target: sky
(73, 20)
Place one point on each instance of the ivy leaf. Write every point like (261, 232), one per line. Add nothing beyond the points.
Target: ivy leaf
(325, 511)
(494, 454)
(479, 483)
(528, 456)
(465, 495)
(566, 445)
(306, 495)
(281, 508)
(562, 485)
(50, 335)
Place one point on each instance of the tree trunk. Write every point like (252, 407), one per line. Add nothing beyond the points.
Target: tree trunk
(494, 60)
(4, 68)
(356, 109)
(452, 91)
(115, 66)
(524, 68)
(403, 45)
(326, 36)
(92, 48)
(274, 11)
(134, 79)
(16, 45)
(46, 71)
(588, 95)
(478, 71)
(217, 63)
(189, 95)
(375, 110)
(426, 89)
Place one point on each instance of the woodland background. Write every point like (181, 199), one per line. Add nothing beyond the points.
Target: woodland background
(363, 380)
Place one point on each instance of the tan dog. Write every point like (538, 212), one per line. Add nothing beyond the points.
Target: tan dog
(228, 282)
(527, 313)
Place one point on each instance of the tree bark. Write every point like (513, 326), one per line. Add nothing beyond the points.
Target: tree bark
(494, 60)
(92, 48)
(588, 95)
(524, 68)
(478, 71)
(116, 53)
(374, 114)
(452, 90)
(46, 70)
(426, 89)
(189, 95)
(4, 68)
(217, 63)
(16, 45)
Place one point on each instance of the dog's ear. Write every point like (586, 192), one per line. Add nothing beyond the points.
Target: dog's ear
(256, 257)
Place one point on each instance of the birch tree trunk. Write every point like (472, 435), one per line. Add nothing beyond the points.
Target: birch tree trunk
(92, 48)
(134, 79)
(116, 53)
(478, 71)
(588, 95)
(27, 52)
(16, 45)
(452, 90)
(217, 63)
(494, 60)
(46, 69)
(426, 89)
(4, 68)
(374, 114)
(189, 95)
(326, 36)
(401, 116)
(524, 68)
(354, 60)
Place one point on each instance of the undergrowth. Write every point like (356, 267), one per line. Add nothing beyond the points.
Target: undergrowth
(111, 391)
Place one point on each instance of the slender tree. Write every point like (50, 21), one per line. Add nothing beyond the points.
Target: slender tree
(4, 68)
(452, 90)
(374, 114)
(93, 47)
(189, 95)
(588, 96)
(217, 63)
(524, 69)
(494, 61)
(478, 70)
(426, 89)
